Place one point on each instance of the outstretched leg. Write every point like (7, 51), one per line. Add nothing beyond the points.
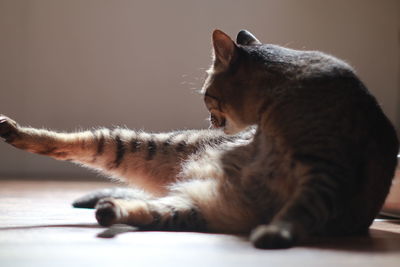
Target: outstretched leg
(151, 161)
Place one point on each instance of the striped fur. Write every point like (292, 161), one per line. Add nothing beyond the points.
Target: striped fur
(309, 152)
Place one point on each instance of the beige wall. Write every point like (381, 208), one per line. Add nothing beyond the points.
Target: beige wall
(76, 64)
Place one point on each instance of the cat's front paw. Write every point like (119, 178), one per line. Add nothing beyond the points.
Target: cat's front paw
(8, 129)
(272, 237)
(133, 212)
(108, 212)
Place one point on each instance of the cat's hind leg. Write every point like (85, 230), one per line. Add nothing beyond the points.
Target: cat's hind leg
(8, 129)
(81, 147)
(151, 161)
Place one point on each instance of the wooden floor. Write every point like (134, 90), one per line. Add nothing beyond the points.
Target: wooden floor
(38, 227)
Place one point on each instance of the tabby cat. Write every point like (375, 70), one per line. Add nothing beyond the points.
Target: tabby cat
(299, 148)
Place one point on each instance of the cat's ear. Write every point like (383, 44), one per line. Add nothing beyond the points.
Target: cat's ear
(224, 48)
(245, 37)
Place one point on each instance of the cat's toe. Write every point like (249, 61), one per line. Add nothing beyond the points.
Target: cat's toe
(107, 212)
(8, 129)
(272, 237)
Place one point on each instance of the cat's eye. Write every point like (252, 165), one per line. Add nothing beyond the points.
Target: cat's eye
(211, 102)
(213, 120)
(217, 122)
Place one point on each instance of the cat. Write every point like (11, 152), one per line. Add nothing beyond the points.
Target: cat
(298, 148)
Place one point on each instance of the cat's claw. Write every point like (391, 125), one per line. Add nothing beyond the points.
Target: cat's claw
(8, 129)
(272, 237)
(107, 212)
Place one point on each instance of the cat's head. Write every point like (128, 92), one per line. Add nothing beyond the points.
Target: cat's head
(247, 76)
(230, 90)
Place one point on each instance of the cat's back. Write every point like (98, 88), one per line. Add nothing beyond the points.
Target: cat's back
(318, 106)
(313, 87)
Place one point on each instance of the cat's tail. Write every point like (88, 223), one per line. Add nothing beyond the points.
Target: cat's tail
(90, 200)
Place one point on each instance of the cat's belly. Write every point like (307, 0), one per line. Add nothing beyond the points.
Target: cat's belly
(203, 166)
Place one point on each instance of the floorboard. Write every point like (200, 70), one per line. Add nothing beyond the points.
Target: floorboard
(38, 227)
